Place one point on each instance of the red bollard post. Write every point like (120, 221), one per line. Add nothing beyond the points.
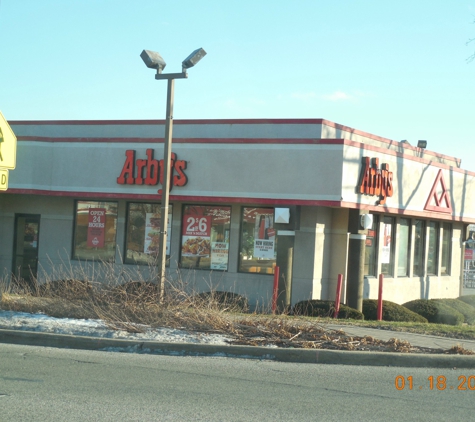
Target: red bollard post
(338, 295)
(380, 298)
(276, 288)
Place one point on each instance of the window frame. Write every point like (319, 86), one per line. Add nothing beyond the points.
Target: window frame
(372, 264)
(224, 239)
(447, 229)
(434, 263)
(407, 247)
(152, 260)
(257, 269)
(390, 265)
(419, 246)
(111, 258)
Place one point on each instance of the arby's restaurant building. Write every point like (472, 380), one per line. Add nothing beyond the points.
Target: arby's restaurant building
(322, 198)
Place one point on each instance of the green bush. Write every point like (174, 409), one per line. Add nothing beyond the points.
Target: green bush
(465, 309)
(391, 312)
(325, 308)
(469, 299)
(435, 312)
(224, 301)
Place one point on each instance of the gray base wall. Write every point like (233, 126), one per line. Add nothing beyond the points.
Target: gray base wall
(56, 241)
(320, 254)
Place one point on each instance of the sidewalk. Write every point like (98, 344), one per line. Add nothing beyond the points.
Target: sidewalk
(418, 340)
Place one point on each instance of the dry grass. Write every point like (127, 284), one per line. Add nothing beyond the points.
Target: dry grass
(459, 350)
(135, 306)
(129, 306)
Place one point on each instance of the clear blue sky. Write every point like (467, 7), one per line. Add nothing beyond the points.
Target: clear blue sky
(397, 69)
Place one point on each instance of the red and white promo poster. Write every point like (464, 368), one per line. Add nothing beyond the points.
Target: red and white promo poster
(196, 235)
(386, 249)
(264, 236)
(469, 255)
(96, 227)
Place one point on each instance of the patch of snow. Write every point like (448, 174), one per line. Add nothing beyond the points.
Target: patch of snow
(97, 328)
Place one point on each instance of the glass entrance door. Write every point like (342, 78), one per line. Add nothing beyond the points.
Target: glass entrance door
(25, 258)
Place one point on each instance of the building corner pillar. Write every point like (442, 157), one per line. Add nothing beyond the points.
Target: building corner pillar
(355, 272)
(356, 257)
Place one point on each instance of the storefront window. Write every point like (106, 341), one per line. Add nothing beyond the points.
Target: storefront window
(205, 237)
(258, 239)
(446, 248)
(432, 258)
(419, 242)
(143, 233)
(403, 247)
(95, 231)
(371, 249)
(387, 250)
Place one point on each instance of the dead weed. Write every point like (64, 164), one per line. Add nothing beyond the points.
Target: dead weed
(136, 306)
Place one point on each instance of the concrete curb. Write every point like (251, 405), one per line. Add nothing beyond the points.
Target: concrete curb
(336, 357)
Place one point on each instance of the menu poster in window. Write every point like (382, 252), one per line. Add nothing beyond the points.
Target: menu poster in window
(96, 227)
(196, 235)
(219, 255)
(264, 237)
(152, 234)
(386, 249)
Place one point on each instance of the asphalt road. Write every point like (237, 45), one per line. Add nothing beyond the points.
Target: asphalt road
(50, 384)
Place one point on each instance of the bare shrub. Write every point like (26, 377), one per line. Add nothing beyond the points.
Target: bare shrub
(130, 300)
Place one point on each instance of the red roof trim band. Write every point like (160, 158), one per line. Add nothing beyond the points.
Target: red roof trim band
(235, 200)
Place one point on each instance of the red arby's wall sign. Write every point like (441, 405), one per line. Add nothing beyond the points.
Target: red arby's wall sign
(150, 171)
(376, 181)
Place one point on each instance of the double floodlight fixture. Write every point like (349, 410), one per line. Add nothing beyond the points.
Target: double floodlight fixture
(193, 58)
(154, 60)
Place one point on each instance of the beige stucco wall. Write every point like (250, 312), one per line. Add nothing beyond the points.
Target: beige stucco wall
(56, 240)
(413, 180)
(276, 167)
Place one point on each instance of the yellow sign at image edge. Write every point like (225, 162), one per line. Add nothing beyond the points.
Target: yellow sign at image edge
(3, 179)
(7, 145)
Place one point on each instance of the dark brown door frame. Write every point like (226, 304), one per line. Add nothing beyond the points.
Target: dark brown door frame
(28, 274)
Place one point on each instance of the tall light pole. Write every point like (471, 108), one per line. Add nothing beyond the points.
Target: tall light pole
(153, 60)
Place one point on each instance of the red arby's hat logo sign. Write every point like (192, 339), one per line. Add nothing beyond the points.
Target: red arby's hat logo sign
(439, 199)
